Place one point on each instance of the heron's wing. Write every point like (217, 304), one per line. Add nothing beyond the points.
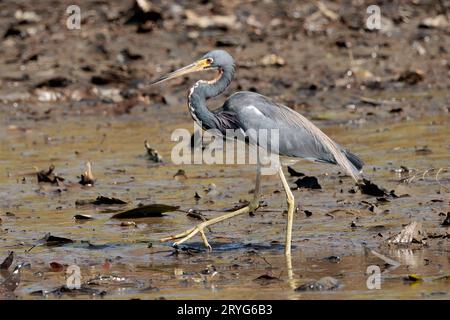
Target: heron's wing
(298, 137)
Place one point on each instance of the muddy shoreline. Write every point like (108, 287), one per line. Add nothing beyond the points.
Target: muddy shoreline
(72, 96)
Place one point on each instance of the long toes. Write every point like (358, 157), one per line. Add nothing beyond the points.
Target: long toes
(178, 236)
(205, 241)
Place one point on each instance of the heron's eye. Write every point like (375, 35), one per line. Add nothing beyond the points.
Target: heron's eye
(210, 60)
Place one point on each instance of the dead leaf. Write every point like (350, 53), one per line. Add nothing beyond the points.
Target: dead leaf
(412, 233)
(87, 178)
(180, 175)
(195, 214)
(8, 261)
(367, 187)
(413, 278)
(100, 201)
(411, 77)
(56, 267)
(294, 173)
(151, 210)
(128, 224)
(446, 221)
(82, 217)
(153, 154)
(56, 82)
(266, 279)
(424, 150)
(64, 290)
(49, 176)
(308, 183)
(56, 241)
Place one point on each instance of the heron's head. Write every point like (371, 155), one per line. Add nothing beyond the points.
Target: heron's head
(213, 60)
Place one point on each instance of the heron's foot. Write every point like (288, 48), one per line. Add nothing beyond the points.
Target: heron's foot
(182, 237)
(253, 206)
(189, 234)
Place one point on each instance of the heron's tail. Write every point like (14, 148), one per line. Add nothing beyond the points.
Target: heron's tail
(351, 163)
(355, 161)
(338, 155)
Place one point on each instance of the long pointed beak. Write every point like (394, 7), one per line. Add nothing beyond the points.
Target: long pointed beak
(199, 65)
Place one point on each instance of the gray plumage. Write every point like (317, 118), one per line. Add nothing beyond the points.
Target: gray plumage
(253, 117)
(298, 137)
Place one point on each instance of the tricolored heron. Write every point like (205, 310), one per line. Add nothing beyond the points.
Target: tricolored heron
(298, 137)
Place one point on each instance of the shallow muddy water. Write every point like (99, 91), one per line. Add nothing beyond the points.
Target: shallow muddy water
(121, 261)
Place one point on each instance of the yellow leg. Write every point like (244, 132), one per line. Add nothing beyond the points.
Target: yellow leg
(199, 228)
(253, 205)
(290, 271)
(290, 215)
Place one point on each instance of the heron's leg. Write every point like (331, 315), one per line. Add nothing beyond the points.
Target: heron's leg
(254, 204)
(290, 272)
(290, 215)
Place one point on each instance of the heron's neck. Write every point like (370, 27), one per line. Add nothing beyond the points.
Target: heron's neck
(202, 91)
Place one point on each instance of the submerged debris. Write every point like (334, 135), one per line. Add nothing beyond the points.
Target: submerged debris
(145, 211)
(126, 56)
(412, 233)
(211, 190)
(308, 183)
(307, 213)
(8, 261)
(64, 290)
(56, 266)
(55, 241)
(12, 280)
(403, 170)
(370, 188)
(153, 154)
(87, 178)
(195, 214)
(413, 278)
(446, 221)
(83, 217)
(128, 224)
(333, 259)
(387, 260)
(49, 176)
(411, 77)
(266, 279)
(423, 150)
(100, 201)
(56, 82)
(323, 284)
(294, 173)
